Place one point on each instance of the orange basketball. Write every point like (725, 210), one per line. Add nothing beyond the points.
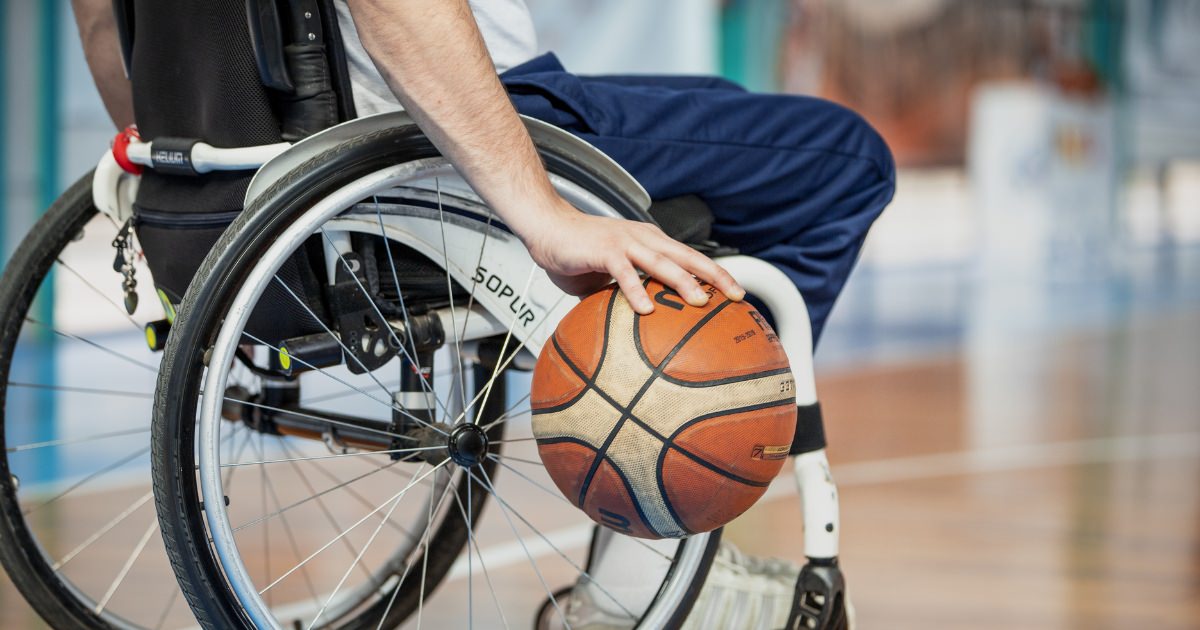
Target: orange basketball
(667, 424)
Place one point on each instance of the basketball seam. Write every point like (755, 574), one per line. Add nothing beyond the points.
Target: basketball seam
(627, 412)
(624, 480)
(588, 382)
(704, 383)
(670, 443)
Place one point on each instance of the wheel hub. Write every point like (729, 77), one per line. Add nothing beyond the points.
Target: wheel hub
(467, 445)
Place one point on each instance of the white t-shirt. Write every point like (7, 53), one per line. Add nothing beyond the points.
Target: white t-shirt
(507, 30)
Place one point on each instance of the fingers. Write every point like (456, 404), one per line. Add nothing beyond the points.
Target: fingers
(666, 270)
(631, 285)
(707, 270)
(683, 262)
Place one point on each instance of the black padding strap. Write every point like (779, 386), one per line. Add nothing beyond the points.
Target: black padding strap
(173, 156)
(810, 430)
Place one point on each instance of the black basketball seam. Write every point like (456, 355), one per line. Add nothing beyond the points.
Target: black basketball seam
(728, 412)
(707, 383)
(633, 497)
(669, 443)
(725, 381)
(566, 439)
(588, 382)
(627, 412)
(662, 489)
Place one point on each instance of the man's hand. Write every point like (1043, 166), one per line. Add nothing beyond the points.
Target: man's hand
(581, 252)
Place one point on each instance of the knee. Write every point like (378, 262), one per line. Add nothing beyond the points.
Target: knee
(861, 139)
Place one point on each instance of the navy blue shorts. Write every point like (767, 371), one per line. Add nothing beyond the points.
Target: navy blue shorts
(793, 180)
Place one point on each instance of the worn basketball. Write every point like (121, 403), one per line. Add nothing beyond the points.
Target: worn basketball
(667, 424)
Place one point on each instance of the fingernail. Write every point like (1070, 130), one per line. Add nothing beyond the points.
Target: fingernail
(738, 294)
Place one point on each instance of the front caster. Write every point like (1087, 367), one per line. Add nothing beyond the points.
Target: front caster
(820, 599)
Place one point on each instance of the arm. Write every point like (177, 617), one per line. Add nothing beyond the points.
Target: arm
(433, 57)
(98, 32)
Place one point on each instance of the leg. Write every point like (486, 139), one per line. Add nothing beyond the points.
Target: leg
(796, 181)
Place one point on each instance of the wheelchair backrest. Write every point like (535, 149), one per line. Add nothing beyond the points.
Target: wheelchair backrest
(197, 70)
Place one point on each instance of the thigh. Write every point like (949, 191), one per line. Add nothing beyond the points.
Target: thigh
(794, 180)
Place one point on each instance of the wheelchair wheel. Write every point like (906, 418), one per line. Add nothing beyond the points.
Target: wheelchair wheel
(397, 479)
(78, 535)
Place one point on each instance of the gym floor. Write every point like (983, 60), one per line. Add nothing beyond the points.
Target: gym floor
(1034, 466)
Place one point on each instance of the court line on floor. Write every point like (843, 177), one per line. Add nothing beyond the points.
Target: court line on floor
(1003, 459)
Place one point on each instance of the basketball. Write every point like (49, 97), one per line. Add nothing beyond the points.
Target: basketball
(667, 424)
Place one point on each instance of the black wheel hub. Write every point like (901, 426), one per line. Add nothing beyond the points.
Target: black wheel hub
(467, 445)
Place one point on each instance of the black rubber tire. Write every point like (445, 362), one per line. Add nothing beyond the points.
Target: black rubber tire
(56, 602)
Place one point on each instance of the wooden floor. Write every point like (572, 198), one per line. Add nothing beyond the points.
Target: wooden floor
(1045, 482)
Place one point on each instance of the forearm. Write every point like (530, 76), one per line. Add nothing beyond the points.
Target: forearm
(98, 32)
(433, 57)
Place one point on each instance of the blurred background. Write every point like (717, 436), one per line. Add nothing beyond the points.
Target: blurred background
(1010, 379)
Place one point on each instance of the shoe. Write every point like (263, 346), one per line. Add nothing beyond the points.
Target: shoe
(742, 592)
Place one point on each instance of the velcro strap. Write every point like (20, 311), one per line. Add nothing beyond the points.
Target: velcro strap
(810, 430)
(173, 156)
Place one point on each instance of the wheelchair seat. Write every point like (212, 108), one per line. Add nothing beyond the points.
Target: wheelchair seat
(689, 220)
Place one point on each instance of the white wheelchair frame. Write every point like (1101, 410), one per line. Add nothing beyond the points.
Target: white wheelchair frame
(540, 301)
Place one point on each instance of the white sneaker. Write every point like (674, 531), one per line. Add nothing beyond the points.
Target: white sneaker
(742, 592)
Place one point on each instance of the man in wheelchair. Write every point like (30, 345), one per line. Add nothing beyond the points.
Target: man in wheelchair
(792, 180)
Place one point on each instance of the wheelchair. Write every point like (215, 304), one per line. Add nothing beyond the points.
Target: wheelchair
(337, 436)
(426, 287)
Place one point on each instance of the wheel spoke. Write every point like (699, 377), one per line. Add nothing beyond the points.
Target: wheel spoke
(500, 366)
(162, 617)
(389, 405)
(508, 413)
(399, 344)
(528, 555)
(358, 558)
(133, 556)
(396, 279)
(287, 530)
(93, 344)
(322, 506)
(352, 527)
(474, 544)
(306, 500)
(107, 298)
(350, 489)
(103, 471)
(487, 389)
(107, 527)
(334, 456)
(462, 383)
(82, 390)
(345, 350)
(95, 436)
(411, 561)
(504, 504)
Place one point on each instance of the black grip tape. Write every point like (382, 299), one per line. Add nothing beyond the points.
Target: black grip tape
(173, 156)
(810, 430)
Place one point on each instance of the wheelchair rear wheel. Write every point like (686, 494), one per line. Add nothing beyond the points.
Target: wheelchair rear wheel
(78, 535)
(432, 507)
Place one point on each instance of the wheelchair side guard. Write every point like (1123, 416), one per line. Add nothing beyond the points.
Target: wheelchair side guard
(511, 292)
(578, 154)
